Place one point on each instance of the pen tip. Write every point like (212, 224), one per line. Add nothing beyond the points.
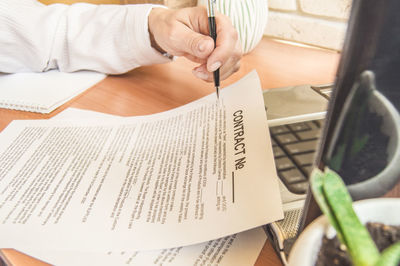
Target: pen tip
(217, 90)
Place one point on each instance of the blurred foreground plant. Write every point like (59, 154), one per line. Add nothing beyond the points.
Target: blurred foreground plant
(335, 202)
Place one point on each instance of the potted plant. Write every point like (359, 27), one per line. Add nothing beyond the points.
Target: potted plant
(336, 204)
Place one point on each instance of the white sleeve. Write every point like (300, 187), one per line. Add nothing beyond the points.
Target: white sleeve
(112, 39)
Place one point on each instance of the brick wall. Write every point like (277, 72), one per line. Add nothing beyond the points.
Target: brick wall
(316, 22)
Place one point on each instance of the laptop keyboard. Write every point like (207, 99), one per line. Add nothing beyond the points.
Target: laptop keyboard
(294, 146)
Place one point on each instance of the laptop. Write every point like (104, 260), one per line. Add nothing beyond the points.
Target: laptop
(296, 116)
(352, 126)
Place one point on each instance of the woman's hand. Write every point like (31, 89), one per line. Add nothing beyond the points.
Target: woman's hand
(185, 32)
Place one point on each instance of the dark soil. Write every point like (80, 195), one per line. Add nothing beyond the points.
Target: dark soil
(372, 158)
(331, 253)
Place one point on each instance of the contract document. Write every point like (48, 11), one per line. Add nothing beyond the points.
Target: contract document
(192, 174)
(239, 249)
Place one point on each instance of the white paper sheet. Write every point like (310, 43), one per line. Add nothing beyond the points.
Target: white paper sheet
(238, 249)
(189, 175)
(43, 92)
(81, 114)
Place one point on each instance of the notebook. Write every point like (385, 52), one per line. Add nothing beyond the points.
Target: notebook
(43, 92)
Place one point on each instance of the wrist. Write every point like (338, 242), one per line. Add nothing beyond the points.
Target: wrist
(152, 21)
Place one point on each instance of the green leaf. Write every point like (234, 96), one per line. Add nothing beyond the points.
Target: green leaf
(335, 200)
(390, 256)
(359, 144)
(317, 181)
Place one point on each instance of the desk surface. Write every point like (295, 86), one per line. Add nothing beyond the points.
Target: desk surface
(157, 88)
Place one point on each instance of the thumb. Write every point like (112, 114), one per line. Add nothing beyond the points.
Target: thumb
(197, 44)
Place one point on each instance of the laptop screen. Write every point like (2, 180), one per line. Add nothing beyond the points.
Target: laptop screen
(361, 136)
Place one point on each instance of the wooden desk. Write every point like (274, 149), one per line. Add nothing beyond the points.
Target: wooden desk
(157, 88)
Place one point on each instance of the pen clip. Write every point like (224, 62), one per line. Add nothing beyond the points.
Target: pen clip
(211, 8)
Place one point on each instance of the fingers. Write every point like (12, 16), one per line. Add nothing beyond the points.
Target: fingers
(201, 72)
(227, 54)
(195, 59)
(185, 32)
(228, 48)
(231, 66)
(181, 32)
(193, 43)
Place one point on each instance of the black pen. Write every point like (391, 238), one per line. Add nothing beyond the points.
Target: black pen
(213, 34)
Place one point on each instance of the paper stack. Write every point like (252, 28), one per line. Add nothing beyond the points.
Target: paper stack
(182, 187)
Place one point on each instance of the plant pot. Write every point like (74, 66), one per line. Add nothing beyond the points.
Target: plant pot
(249, 17)
(307, 246)
(373, 169)
(387, 178)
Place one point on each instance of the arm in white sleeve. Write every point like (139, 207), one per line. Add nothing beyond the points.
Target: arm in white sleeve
(112, 39)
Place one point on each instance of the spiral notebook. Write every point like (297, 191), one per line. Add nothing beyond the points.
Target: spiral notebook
(43, 92)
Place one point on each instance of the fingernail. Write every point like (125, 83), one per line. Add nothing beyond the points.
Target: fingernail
(215, 66)
(200, 74)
